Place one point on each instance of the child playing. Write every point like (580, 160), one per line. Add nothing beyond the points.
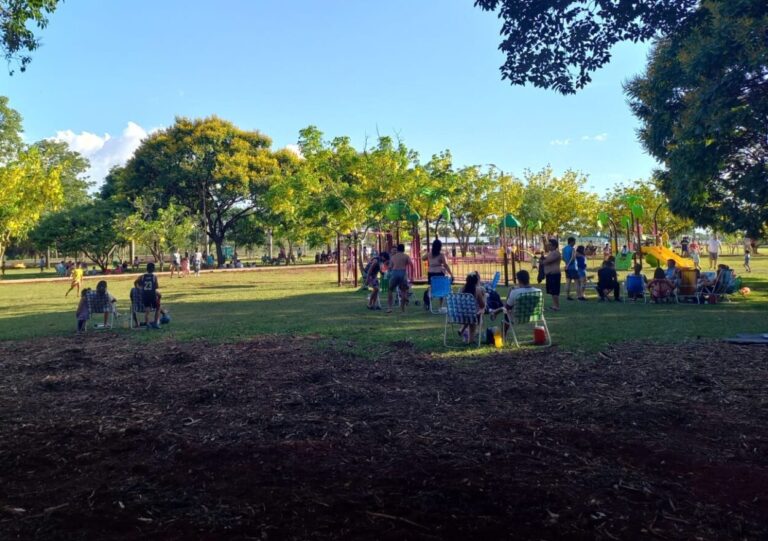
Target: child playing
(82, 314)
(661, 289)
(77, 278)
(747, 257)
(581, 268)
(693, 251)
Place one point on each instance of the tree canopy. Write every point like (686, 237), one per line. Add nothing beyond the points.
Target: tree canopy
(703, 105)
(557, 44)
(17, 40)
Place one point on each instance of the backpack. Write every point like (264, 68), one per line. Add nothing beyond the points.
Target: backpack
(493, 301)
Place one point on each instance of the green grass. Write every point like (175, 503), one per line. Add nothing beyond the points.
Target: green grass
(231, 306)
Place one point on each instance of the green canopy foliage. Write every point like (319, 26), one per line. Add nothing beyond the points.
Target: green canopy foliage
(17, 39)
(703, 104)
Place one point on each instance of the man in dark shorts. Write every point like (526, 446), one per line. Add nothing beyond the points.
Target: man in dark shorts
(150, 296)
(398, 279)
(552, 273)
(571, 272)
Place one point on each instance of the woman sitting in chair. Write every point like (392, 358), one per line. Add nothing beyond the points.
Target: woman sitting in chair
(474, 287)
(660, 287)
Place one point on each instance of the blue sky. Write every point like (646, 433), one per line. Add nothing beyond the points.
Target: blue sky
(425, 70)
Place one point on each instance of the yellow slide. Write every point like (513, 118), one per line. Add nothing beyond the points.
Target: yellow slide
(663, 254)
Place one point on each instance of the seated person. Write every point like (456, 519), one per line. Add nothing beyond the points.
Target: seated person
(523, 286)
(475, 287)
(672, 273)
(636, 283)
(660, 287)
(608, 281)
(108, 300)
(148, 287)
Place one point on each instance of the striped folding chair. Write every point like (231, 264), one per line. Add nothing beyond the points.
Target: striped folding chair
(529, 308)
(439, 289)
(99, 304)
(137, 308)
(462, 310)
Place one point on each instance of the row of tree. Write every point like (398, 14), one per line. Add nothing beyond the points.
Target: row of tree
(207, 180)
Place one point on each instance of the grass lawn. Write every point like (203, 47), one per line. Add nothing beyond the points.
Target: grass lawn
(230, 306)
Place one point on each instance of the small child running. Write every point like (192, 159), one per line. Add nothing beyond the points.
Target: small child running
(77, 278)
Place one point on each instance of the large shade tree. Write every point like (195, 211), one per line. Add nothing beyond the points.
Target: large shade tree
(703, 104)
(218, 171)
(557, 44)
(17, 35)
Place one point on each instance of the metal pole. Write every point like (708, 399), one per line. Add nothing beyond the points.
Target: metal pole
(354, 253)
(338, 258)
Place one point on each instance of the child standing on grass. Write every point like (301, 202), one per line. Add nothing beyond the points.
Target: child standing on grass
(581, 268)
(82, 312)
(77, 278)
(747, 257)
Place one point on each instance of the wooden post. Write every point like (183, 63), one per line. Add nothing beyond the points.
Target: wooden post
(506, 270)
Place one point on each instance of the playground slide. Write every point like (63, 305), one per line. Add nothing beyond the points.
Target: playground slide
(663, 254)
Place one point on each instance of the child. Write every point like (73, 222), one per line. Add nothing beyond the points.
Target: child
(581, 268)
(101, 291)
(636, 283)
(747, 257)
(693, 251)
(82, 313)
(77, 278)
(660, 288)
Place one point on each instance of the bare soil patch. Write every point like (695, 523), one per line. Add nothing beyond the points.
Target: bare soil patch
(270, 439)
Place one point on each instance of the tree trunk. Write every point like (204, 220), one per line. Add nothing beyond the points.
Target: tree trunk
(219, 242)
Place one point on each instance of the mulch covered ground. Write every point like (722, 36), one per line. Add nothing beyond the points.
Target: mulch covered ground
(100, 439)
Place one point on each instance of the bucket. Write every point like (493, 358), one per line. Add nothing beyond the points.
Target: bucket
(498, 338)
(539, 336)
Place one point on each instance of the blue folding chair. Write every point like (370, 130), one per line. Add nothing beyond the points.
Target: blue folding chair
(494, 282)
(635, 286)
(462, 310)
(440, 288)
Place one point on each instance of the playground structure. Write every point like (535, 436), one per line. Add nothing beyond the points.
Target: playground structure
(654, 254)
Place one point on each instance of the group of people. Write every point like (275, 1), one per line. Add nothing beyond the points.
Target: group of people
(145, 292)
(180, 264)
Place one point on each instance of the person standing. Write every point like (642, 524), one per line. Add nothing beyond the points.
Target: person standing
(571, 273)
(552, 274)
(713, 247)
(398, 278)
(437, 265)
(747, 257)
(176, 263)
(198, 261)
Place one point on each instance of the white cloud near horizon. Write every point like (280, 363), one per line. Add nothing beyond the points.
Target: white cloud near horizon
(104, 151)
(600, 137)
(560, 142)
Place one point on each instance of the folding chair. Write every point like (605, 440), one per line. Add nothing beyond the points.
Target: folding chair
(99, 304)
(439, 289)
(494, 282)
(529, 308)
(688, 288)
(720, 287)
(137, 307)
(635, 284)
(462, 310)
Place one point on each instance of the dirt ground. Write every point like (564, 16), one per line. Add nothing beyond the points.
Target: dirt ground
(270, 440)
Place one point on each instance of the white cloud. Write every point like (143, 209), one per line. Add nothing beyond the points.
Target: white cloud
(599, 137)
(104, 152)
(560, 142)
(295, 149)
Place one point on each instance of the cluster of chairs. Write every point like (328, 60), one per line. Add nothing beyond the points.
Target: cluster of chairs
(688, 289)
(461, 310)
(101, 304)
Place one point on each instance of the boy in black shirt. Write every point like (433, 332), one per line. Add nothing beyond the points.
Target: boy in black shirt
(607, 280)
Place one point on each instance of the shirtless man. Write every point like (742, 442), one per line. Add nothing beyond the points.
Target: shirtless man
(398, 279)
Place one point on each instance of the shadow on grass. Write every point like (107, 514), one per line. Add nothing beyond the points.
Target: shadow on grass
(340, 321)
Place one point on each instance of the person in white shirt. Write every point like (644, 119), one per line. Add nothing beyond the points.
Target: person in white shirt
(523, 286)
(713, 247)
